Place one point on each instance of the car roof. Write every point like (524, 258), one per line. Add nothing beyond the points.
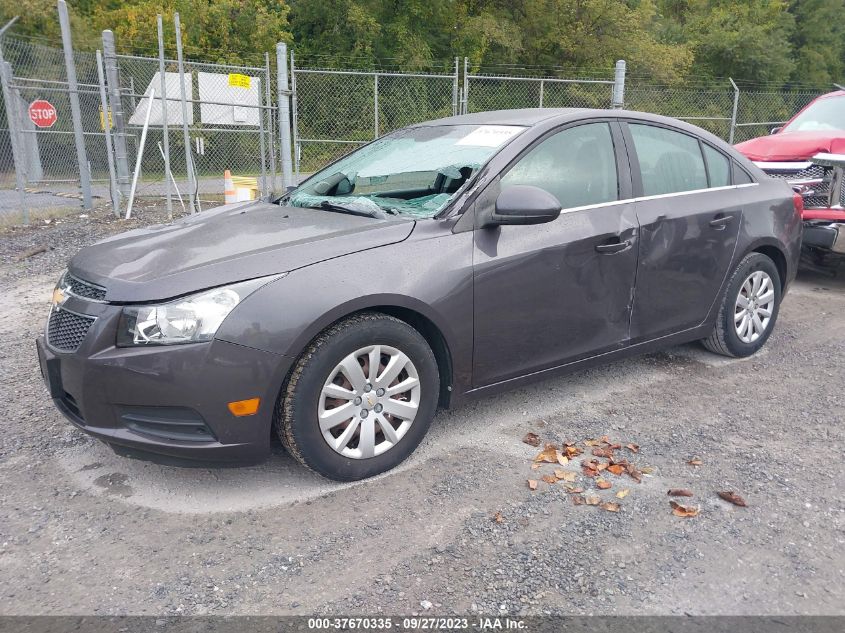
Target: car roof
(529, 117)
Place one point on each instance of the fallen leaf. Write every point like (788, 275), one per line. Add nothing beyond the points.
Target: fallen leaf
(601, 466)
(532, 439)
(573, 490)
(563, 460)
(684, 511)
(679, 492)
(549, 479)
(565, 475)
(647, 470)
(733, 498)
(603, 484)
(569, 443)
(578, 500)
(592, 442)
(634, 448)
(535, 466)
(622, 493)
(498, 518)
(592, 500)
(603, 452)
(610, 506)
(616, 469)
(605, 439)
(614, 447)
(635, 474)
(572, 451)
(548, 454)
(695, 461)
(532, 484)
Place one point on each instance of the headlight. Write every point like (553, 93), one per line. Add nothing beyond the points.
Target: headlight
(191, 319)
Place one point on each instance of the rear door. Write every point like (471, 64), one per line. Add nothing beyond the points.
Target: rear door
(689, 218)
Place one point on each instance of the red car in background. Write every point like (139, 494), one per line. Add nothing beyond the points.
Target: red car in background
(809, 153)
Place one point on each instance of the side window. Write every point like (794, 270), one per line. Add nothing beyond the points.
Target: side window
(741, 176)
(718, 167)
(577, 166)
(669, 161)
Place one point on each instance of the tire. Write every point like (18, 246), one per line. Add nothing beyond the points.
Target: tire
(304, 398)
(725, 339)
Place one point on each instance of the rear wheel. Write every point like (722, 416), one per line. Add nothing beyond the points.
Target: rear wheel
(749, 308)
(360, 398)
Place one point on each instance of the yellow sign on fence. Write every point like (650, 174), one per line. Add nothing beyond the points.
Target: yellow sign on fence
(239, 81)
(103, 120)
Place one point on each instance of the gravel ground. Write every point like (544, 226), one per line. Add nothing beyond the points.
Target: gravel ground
(83, 531)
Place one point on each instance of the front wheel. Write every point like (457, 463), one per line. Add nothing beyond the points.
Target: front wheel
(360, 398)
(749, 308)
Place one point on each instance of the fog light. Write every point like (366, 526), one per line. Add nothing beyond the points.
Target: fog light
(240, 408)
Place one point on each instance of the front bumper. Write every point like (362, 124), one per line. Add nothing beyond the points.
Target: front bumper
(168, 400)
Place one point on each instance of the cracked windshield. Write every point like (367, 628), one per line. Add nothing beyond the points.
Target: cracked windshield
(412, 172)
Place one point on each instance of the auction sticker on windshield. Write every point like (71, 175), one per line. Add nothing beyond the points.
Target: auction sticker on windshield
(490, 135)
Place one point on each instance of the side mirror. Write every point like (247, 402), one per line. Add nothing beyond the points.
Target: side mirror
(524, 204)
(775, 130)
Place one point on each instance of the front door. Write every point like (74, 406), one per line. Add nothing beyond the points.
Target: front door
(689, 219)
(550, 293)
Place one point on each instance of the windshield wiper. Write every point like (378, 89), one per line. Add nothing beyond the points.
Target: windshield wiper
(338, 207)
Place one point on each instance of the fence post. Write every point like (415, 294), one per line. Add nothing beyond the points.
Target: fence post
(294, 100)
(455, 90)
(121, 159)
(542, 86)
(618, 98)
(284, 114)
(76, 113)
(268, 112)
(375, 105)
(187, 137)
(733, 112)
(107, 123)
(465, 109)
(165, 130)
(11, 117)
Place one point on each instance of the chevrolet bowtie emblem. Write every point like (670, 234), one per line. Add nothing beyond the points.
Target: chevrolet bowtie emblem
(59, 297)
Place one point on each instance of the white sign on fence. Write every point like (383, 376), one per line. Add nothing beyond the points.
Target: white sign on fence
(174, 103)
(241, 93)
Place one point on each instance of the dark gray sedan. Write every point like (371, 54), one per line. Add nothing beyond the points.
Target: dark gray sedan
(448, 260)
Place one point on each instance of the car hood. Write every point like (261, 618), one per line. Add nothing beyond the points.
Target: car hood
(225, 245)
(789, 146)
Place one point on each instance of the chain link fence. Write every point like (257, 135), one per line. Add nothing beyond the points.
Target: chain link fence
(230, 118)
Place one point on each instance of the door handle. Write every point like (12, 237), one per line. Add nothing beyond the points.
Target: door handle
(613, 247)
(721, 221)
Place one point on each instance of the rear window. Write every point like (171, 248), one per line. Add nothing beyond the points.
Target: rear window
(718, 167)
(670, 161)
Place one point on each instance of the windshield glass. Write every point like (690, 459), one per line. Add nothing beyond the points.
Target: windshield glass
(824, 114)
(414, 171)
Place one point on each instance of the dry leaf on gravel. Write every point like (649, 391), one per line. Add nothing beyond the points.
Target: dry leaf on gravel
(647, 470)
(603, 484)
(616, 469)
(684, 511)
(592, 442)
(732, 497)
(601, 466)
(498, 518)
(635, 474)
(622, 493)
(592, 500)
(573, 490)
(572, 451)
(532, 484)
(563, 460)
(634, 448)
(679, 492)
(532, 439)
(695, 461)
(565, 475)
(578, 500)
(610, 506)
(535, 466)
(603, 452)
(605, 439)
(549, 479)
(548, 454)
(614, 447)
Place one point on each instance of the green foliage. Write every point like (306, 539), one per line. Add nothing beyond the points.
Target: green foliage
(669, 41)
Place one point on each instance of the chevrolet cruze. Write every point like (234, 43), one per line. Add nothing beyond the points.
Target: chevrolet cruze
(448, 260)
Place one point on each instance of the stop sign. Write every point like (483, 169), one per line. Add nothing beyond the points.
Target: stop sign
(43, 113)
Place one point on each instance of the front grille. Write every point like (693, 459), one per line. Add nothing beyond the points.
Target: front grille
(66, 330)
(177, 424)
(819, 198)
(813, 171)
(85, 289)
